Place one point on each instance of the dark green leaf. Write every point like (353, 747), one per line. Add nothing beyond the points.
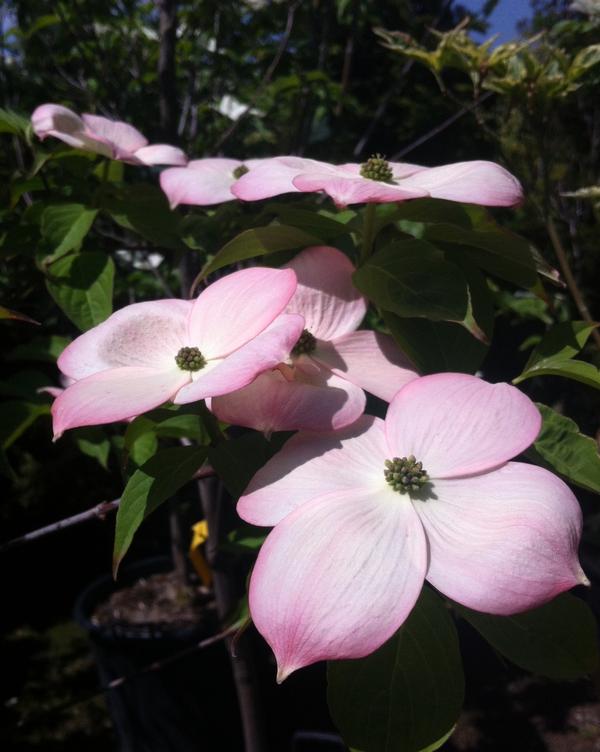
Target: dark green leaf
(259, 242)
(561, 447)
(82, 285)
(557, 640)
(155, 482)
(16, 417)
(144, 209)
(407, 695)
(311, 222)
(434, 211)
(46, 349)
(236, 461)
(435, 346)
(13, 122)
(411, 278)
(66, 225)
(498, 251)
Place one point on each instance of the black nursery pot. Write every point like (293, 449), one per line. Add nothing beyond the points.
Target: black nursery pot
(188, 704)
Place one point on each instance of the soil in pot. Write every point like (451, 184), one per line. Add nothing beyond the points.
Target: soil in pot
(174, 698)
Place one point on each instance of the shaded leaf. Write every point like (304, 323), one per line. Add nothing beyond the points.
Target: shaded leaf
(412, 278)
(557, 640)
(16, 417)
(145, 210)
(497, 251)
(259, 242)
(46, 349)
(435, 346)
(13, 122)
(407, 694)
(236, 461)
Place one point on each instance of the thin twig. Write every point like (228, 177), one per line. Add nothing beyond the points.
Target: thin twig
(99, 512)
(267, 76)
(400, 81)
(563, 260)
(441, 127)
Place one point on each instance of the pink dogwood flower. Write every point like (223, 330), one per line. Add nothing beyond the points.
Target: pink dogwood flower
(179, 350)
(204, 182)
(111, 138)
(320, 385)
(364, 515)
(378, 181)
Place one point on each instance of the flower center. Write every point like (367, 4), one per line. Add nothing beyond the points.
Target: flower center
(306, 344)
(376, 168)
(239, 171)
(190, 359)
(405, 474)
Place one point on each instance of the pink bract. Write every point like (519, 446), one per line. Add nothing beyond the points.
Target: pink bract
(322, 388)
(477, 182)
(127, 365)
(203, 182)
(349, 553)
(97, 134)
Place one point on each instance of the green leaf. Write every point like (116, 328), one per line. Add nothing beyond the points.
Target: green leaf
(141, 436)
(145, 210)
(66, 225)
(93, 442)
(46, 349)
(408, 694)
(313, 223)
(435, 346)
(561, 447)
(411, 278)
(554, 355)
(16, 417)
(82, 285)
(245, 539)
(26, 385)
(155, 482)
(434, 211)
(259, 242)
(497, 251)
(557, 640)
(236, 461)
(13, 122)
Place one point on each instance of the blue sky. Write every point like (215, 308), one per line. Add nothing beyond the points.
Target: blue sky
(504, 19)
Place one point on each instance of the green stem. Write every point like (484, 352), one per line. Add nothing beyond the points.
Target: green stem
(368, 232)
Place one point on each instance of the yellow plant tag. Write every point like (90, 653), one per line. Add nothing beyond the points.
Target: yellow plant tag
(200, 536)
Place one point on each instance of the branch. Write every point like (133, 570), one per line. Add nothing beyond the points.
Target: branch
(441, 127)
(570, 277)
(99, 512)
(166, 68)
(267, 76)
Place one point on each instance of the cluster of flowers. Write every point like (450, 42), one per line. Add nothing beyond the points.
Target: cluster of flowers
(364, 510)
